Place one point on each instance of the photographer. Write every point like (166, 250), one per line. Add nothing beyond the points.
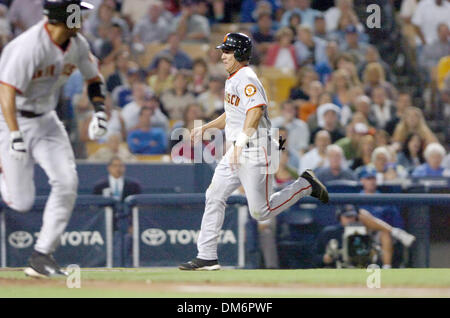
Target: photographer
(330, 254)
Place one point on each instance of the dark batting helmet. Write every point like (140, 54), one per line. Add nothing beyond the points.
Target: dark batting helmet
(239, 43)
(56, 10)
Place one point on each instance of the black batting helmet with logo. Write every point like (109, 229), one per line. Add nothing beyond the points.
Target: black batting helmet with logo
(239, 43)
(57, 10)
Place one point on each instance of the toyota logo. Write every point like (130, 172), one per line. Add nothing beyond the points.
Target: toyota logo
(153, 237)
(20, 239)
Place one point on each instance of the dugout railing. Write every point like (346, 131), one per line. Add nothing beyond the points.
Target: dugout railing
(90, 233)
(418, 214)
(87, 240)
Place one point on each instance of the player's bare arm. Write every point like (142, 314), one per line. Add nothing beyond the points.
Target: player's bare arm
(250, 126)
(8, 105)
(17, 148)
(218, 123)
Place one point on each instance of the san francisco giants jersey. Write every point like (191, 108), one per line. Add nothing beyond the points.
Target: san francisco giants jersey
(37, 67)
(244, 91)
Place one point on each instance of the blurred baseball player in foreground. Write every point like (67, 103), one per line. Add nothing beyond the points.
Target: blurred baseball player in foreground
(247, 126)
(33, 68)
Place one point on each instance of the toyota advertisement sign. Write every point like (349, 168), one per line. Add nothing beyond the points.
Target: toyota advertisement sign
(83, 242)
(168, 237)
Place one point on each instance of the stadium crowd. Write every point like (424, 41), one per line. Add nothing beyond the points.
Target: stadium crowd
(364, 102)
(376, 107)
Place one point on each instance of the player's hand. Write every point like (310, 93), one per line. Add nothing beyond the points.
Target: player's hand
(235, 158)
(97, 126)
(196, 135)
(17, 148)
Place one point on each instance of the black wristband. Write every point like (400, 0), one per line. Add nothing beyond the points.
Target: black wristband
(98, 106)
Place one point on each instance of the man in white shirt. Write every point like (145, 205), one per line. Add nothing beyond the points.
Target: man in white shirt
(428, 15)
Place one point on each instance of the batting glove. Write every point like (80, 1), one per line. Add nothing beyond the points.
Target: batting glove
(97, 126)
(17, 148)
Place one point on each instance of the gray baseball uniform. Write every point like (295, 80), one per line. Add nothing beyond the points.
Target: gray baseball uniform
(37, 68)
(243, 91)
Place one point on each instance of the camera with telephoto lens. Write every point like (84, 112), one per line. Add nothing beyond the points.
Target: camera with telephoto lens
(357, 250)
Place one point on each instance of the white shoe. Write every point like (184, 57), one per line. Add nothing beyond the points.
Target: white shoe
(403, 236)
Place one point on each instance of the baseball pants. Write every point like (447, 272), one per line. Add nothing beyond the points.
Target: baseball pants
(48, 145)
(257, 180)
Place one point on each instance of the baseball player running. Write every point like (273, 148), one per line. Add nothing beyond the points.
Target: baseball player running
(33, 67)
(246, 124)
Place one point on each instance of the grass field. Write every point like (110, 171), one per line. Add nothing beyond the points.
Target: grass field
(236, 283)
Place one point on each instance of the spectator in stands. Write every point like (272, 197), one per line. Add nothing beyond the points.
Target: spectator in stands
(309, 107)
(212, 99)
(382, 107)
(364, 153)
(200, 76)
(353, 45)
(281, 54)
(336, 168)
(310, 50)
(123, 94)
(324, 69)
(346, 62)
(113, 148)
(317, 156)
(23, 14)
(401, 104)
(345, 19)
(328, 119)
(285, 174)
(250, 9)
(427, 16)
(382, 138)
(411, 154)
(434, 154)
(113, 45)
(143, 97)
(162, 80)
(339, 86)
(305, 76)
(191, 26)
(350, 143)
(264, 33)
(181, 60)
(413, 122)
(363, 105)
(152, 27)
(146, 139)
(434, 51)
(298, 131)
(134, 10)
(123, 64)
(373, 56)
(385, 165)
(333, 14)
(320, 28)
(302, 8)
(176, 99)
(374, 76)
(105, 15)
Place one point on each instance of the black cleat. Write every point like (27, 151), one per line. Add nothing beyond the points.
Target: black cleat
(43, 266)
(319, 191)
(200, 265)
